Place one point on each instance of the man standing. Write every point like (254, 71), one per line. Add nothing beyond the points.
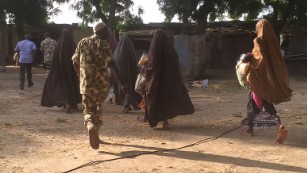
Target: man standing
(26, 50)
(47, 47)
(91, 60)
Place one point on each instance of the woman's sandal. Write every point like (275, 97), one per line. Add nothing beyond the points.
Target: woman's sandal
(282, 134)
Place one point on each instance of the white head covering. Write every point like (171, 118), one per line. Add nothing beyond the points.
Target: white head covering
(99, 26)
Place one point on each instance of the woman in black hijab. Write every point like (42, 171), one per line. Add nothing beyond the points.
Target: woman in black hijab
(126, 63)
(62, 84)
(166, 95)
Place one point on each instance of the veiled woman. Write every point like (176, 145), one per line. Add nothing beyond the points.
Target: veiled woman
(268, 80)
(62, 83)
(165, 93)
(126, 63)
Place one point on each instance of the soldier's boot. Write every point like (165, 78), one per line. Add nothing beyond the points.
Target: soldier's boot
(93, 135)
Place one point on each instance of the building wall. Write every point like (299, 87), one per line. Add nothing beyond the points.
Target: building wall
(191, 54)
(224, 49)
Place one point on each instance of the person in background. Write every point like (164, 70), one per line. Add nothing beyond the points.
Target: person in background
(62, 84)
(47, 48)
(26, 50)
(113, 44)
(126, 63)
(110, 95)
(268, 81)
(285, 45)
(91, 60)
(165, 93)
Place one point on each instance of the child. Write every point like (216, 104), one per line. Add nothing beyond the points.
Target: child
(242, 68)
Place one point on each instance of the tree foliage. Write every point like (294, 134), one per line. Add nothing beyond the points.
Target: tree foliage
(279, 12)
(199, 11)
(113, 12)
(27, 12)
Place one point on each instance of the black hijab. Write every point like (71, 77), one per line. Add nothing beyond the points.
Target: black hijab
(62, 83)
(166, 95)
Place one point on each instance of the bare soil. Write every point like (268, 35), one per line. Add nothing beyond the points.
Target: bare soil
(39, 139)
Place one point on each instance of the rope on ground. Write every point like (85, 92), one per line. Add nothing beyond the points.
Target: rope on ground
(156, 151)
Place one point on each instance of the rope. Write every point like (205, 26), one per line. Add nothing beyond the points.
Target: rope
(152, 152)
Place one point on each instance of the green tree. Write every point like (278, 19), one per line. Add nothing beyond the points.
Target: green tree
(111, 12)
(199, 11)
(278, 12)
(27, 12)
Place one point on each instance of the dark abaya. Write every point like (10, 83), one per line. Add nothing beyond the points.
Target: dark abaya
(62, 83)
(166, 95)
(126, 63)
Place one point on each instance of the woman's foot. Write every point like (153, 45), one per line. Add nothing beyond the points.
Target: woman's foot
(142, 119)
(165, 124)
(75, 106)
(282, 134)
(248, 131)
(127, 109)
(68, 108)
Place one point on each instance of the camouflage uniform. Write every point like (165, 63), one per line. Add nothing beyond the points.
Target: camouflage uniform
(93, 54)
(47, 47)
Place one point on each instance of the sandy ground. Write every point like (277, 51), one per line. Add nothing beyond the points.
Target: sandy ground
(39, 139)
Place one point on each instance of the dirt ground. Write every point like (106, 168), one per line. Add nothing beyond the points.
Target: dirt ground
(39, 139)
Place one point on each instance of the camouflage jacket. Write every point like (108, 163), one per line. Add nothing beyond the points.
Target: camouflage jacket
(47, 47)
(92, 54)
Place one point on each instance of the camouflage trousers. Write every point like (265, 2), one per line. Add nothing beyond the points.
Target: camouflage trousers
(92, 110)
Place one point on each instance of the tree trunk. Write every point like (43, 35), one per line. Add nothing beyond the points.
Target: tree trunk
(111, 22)
(99, 11)
(19, 26)
(19, 20)
(202, 23)
(2, 46)
(2, 41)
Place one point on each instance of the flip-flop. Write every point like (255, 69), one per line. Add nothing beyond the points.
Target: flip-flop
(282, 134)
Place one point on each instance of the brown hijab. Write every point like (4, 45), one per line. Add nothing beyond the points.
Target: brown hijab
(268, 76)
(166, 95)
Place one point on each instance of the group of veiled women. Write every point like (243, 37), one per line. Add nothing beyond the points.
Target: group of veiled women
(165, 93)
(165, 97)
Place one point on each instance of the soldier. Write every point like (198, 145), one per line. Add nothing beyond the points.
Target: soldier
(91, 60)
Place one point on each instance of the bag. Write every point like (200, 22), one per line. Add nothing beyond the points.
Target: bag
(143, 60)
(16, 57)
(140, 84)
(242, 69)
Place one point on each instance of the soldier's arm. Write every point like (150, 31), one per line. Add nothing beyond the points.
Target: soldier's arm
(76, 59)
